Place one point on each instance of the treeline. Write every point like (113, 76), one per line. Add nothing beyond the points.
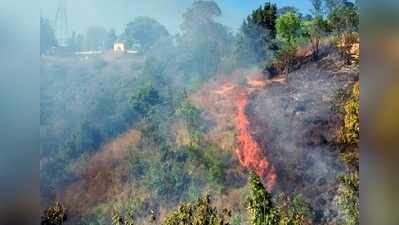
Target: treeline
(272, 36)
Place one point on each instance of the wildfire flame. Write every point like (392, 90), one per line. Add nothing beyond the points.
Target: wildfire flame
(248, 151)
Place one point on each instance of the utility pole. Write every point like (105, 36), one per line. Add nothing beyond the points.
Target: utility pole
(61, 23)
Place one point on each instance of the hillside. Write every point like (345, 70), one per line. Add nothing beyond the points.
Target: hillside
(206, 127)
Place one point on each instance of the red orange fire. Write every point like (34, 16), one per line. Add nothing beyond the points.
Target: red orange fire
(248, 151)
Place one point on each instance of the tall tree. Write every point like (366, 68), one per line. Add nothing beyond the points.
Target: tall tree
(144, 31)
(264, 17)
(201, 12)
(331, 5)
(344, 19)
(258, 32)
(315, 29)
(260, 206)
(204, 42)
(317, 9)
(283, 10)
(289, 34)
(47, 36)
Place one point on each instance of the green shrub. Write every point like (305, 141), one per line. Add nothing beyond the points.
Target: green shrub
(200, 212)
(348, 198)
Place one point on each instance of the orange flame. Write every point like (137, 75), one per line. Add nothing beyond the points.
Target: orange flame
(248, 151)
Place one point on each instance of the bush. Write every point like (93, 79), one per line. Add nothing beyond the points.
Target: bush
(348, 198)
(200, 212)
(55, 215)
(350, 131)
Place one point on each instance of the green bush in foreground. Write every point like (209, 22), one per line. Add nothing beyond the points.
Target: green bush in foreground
(200, 212)
(283, 211)
(348, 198)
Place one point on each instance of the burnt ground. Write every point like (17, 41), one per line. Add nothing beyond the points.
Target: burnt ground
(296, 127)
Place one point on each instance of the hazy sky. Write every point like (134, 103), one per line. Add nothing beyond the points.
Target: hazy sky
(117, 13)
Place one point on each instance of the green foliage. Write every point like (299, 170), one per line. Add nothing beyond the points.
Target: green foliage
(204, 43)
(344, 19)
(145, 100)
(144, 31)
(284, 211)
(168, 179)
(331, 5)
(289, 35)
(295, 211)
(200, 212)
(264, 17)
(258, 32)
(260, 206)
(118, 219)
(318, 10)
(288, 28)
(315, 29)
(54, 215)
(348, 198)
(193, 120)
(348, 192)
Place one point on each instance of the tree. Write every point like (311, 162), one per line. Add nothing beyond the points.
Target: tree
(331, 5)
(258, 32)
(344, 19)
(315, 29)
(201, 12)
(200, 212)
(284, 210)
(293, 210)
(54, 215)
(283, 10)
(47, 36)
(260, 206)
(145, 100)
(317, 10)
(289, 33)
(265, 17)
(204, 42)
(144, 31)
(288, 27)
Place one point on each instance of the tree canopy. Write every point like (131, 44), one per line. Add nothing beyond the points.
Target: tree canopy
(200, 12)
(288, 27)
(144, 31)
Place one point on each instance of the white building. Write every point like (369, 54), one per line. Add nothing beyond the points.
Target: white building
(119, 47)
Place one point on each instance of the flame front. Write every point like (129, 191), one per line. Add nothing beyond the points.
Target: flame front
(248, 151)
